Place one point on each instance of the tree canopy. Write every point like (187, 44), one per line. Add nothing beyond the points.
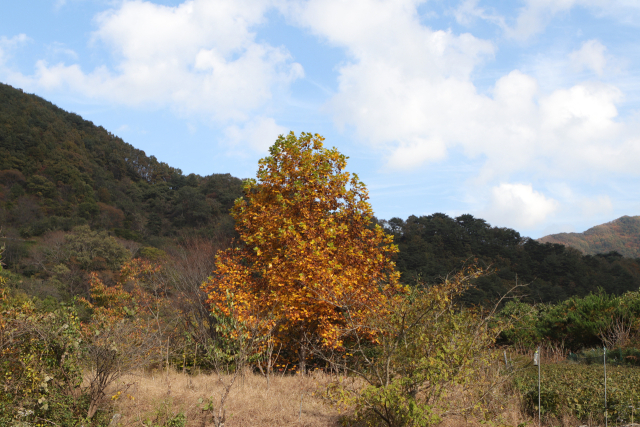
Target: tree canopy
(308, 254)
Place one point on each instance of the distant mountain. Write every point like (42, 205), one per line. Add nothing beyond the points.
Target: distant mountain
(621, 235)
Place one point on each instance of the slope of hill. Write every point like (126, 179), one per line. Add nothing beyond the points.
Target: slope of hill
(58, 170)
(433, 246)
(621, 235)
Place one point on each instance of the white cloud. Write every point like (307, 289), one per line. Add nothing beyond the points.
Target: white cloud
(536, 14)
(402, 79)
(518, 206)
(200, 58)
(468, 11)
(8, 45)
(533, 16)
(59, 49)
(259, 133)
(408, 90)
(590, 56)
(414, 153)
(595, 206)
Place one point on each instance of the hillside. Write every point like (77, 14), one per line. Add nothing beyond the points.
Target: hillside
(58, 171)
(621, 235)
(436, 245)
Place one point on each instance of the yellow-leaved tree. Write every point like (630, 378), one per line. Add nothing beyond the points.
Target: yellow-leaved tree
(309, 256)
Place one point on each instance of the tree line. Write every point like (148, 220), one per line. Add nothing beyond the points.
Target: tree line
(430, 247)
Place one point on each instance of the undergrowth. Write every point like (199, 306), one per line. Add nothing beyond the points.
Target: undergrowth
(577, 390)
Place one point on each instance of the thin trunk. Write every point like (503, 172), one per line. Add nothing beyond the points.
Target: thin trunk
(302, 355)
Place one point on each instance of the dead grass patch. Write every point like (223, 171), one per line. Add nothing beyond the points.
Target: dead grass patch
(154, 398)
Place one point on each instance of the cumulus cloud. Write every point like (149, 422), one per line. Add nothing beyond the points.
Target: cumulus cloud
(408, 90)
(199, 58)
(518, 206)
(400, 80)
(590, 56)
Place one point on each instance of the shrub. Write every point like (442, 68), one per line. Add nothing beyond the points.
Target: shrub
(39, 364)
(414, 354)
(578, 390)
(577, 322)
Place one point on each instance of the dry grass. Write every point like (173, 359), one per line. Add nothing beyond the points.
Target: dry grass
(149, 399)
(156, 398)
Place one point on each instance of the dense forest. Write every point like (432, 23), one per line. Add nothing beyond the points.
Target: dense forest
(68, 186)
(433, 246)
(58, 171)
(621, 235)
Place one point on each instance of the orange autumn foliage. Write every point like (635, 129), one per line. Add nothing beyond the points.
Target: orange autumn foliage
(127, 326)
(308, 256)
(115, 303)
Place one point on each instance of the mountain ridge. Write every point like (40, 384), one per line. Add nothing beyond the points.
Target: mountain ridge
(621, 235)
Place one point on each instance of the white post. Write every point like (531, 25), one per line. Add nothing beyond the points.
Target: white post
(537, 361)
(539, 389)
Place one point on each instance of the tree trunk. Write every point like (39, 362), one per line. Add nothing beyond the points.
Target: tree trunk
(302, 355)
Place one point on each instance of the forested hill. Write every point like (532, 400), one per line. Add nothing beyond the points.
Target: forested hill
(621, 235)
(435, 245)
(58, 170)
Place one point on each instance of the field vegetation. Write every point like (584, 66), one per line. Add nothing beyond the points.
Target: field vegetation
(134, 295)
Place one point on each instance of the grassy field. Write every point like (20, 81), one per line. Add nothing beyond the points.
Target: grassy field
(176, 400)
(155, 399)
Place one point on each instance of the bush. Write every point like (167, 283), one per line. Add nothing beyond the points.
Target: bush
(414, 354)
(577, 323)
(40, 364)
(578, 390)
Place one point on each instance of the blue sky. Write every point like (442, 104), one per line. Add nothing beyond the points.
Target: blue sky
(524, 113)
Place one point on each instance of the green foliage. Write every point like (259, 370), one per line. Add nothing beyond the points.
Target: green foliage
(55, 164)
(525, 331)
(40, 364)
(432, 246)
(577, 323)
(152, 254)
(93, 250)
(41, 186)
(578, 390)
(425, 348)
(165, 416)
